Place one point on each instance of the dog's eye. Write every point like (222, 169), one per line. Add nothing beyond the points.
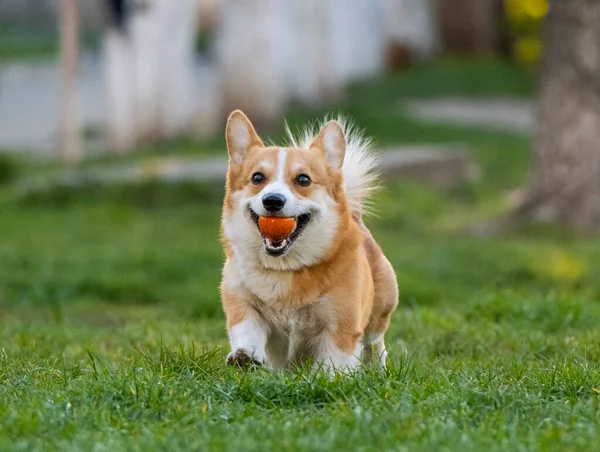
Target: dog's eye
(258, 178)
(303, 180)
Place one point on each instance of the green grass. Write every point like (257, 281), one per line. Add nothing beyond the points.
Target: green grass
(112, 336)
(38, 41)
(22, 42)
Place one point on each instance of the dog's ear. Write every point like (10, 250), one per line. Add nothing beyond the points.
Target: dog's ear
(241, 136)
(332, 142)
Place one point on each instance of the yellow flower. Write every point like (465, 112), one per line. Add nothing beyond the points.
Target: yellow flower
(536, 9)
(566, 268)
(528, 50)
(561, 266)
(514, 8)
(520, 9)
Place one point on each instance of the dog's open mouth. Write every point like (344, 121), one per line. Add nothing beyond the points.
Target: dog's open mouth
(280, 248)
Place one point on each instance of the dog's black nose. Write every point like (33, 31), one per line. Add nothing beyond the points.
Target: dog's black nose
(274, 202)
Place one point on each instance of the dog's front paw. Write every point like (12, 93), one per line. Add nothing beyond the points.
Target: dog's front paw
(244, 359)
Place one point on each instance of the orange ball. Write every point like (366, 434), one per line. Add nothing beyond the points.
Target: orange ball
(276, 228)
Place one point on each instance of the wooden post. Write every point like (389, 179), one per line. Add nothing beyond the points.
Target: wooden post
(71, 140)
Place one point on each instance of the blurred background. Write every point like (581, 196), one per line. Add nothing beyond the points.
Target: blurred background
(132, 72)
(112, 157)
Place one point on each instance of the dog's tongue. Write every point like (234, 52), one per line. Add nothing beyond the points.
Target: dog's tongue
(276, 229)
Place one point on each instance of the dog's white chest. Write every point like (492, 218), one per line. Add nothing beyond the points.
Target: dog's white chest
(266, 285)
(290, 321)
(298, 323)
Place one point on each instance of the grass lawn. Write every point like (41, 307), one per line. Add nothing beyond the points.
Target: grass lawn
(37, 40)
(112, 336)
(21, 42)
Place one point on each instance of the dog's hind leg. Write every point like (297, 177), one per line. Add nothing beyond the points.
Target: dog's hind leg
(385, 300)
(373, 349)
(337, 352)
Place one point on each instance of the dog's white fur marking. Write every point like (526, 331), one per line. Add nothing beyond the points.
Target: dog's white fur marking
(333, 358)
(249, 337)
(278, 185)
(264, 165)
(281, 166)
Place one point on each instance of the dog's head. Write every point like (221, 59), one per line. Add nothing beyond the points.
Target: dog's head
(269, 181)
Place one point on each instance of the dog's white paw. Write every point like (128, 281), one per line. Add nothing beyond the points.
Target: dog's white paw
(245, 358)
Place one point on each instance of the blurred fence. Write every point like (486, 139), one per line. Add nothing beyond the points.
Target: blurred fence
(177, 67)
(44, 13)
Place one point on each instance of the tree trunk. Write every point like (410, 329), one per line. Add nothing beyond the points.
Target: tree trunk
(71, 141)
(469, 27)
(565, 183)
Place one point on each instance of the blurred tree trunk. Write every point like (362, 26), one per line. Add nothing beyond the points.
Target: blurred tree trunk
(472, 27)
(565, 182)
(503, 40)
(71, 140)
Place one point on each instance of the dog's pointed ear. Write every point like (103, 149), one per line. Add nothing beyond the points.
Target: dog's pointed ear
(240, 136)
(332, 142)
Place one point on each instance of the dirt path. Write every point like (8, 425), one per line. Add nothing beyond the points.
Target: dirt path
(514, 115)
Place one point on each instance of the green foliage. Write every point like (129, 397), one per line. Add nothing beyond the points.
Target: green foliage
(38, 40)
(145, 195)
(19, 42)
(113, 338)
(8, 170)
(204, 41)
(450, 77)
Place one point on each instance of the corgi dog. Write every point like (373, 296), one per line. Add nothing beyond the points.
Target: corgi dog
(325, 292)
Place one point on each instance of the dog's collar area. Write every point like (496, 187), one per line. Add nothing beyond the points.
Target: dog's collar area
(277, 249)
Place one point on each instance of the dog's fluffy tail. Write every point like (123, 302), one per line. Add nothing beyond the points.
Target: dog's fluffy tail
(360, 163)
